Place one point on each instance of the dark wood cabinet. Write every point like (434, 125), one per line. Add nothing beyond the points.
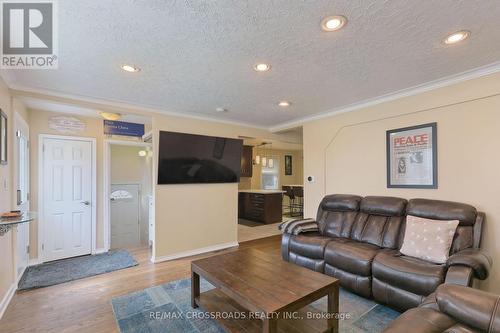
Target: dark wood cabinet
(261, 207)
(247, 161)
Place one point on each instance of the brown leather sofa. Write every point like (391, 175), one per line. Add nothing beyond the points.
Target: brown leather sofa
(452, 309)
(357, 241)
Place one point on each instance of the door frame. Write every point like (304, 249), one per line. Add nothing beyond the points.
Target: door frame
(19, 121)
(106, 211)
(41, 203)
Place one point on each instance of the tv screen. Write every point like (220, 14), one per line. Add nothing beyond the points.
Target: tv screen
(188, 158)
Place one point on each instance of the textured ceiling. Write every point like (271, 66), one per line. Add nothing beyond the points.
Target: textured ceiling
(197, 55)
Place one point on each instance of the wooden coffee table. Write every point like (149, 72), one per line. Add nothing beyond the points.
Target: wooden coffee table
(265, 285)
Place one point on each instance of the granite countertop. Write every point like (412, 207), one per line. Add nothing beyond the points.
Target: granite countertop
(262, 191)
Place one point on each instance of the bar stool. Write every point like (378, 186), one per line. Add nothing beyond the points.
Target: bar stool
(298, 202)
(291, 198)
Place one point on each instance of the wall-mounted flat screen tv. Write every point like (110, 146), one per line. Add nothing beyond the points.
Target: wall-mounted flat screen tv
(188, 158)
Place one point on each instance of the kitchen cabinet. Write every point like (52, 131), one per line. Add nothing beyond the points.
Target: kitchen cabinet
(260, 205)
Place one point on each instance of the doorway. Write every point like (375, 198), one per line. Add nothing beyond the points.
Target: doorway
(128, 193)
(66, 196)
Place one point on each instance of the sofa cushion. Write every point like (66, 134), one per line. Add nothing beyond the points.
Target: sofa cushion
(351, 256)
(421, 320)
(340, 202)
(412, 274)
(385, 206)
(336, 214)
(442, 210)
(312, 247)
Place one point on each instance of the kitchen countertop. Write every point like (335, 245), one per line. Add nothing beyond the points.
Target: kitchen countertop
(262, 191)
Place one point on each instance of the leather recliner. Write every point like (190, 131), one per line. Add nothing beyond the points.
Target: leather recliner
(357, 241)
(452, 309)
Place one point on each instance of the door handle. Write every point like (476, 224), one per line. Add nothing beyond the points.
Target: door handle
(86, 203)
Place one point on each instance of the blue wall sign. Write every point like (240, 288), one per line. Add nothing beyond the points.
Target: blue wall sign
(123, 128)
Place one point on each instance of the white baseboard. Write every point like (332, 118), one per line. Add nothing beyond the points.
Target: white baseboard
(20, 276)
(99, 251)
(7, 298)
(194, 252)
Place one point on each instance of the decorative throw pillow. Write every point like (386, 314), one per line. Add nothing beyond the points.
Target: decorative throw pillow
(428, 239)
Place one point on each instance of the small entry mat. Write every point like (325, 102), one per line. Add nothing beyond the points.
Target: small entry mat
(56, 272)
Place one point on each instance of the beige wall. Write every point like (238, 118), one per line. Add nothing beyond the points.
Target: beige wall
(7, 245)
(347, 153)
(195, 216)
(127, 167)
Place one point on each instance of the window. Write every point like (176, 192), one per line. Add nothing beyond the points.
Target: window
(121, 195)
(270, 175)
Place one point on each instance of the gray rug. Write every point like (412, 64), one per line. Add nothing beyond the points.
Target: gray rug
(65, 270)
(167, 308)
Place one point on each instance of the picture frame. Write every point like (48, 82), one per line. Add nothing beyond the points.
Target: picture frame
(412, 157)
(288, 165)
(3, 138)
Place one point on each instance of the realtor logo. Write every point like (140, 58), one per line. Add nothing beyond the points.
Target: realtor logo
(29, 39)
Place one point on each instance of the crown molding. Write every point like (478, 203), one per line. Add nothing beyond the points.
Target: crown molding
(138, 109)
(478, 72)
(407, 92)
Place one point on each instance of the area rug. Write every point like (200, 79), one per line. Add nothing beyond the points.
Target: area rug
(65, 270)
(167, 308)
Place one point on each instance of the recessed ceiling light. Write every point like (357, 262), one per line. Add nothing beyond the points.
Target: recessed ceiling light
(221, 110)
(333, 23)
(457, 37)
(284, 104)
(111, 115)
(130, 68)
(262, 67)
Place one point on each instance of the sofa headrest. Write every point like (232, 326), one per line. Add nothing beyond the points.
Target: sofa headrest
(442, 210)
(341, 202)
(387, 206)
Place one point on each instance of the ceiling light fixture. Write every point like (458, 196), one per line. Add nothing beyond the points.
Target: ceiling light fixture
(333, 23)
(261, 67)
(111, 115)
(130, 68)
(457, 37)
(284, 104)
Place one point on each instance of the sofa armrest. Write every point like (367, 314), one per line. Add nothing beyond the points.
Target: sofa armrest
(295, 227)
(475, 308)
(477, 260)
(459, 274)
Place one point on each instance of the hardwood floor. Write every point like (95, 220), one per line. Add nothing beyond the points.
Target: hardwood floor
(84, 305)
(250, 233)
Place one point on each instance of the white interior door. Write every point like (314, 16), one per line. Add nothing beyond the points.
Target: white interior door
(67, 198)
(125, 221)
(21, 159)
